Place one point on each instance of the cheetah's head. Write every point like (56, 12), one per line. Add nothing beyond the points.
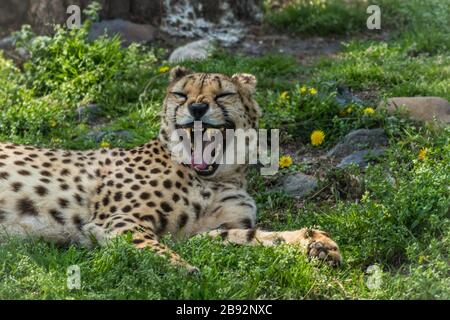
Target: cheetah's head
(216, 101)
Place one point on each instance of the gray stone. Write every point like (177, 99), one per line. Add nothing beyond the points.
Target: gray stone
(361, 158)
(430, 109)
(297, 185)
(91, 114)
(128, 31)
(344, 96)
(23, 54)
(7, 43)
(197, 50)
(357, 140)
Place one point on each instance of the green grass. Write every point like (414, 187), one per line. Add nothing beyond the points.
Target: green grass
(317, 17)
(340, 17)
(403, 228)
(388, 69)
(401, 223)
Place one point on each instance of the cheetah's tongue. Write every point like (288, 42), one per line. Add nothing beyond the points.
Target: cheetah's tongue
(198, 166)
(202, 165)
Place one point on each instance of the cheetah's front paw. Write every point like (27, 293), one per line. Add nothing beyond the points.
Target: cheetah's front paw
(322, 247)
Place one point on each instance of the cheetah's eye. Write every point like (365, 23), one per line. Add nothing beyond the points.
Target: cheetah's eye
(179, 95)
(223, 95)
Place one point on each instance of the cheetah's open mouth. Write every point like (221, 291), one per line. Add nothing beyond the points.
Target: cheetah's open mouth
(205, 143)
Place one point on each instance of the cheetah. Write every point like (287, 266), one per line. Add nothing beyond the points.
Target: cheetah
(89, 197)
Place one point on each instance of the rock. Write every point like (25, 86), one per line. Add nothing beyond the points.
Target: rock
(7, 43)
(344, 96)
(91, 114)
(99, 136)
(430, 109)
(197, 50)
(23, 54)
(128, 31)
(361, 158)
(358, 140)
(297, 185)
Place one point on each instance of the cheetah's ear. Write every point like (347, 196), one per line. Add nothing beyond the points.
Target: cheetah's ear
(246, 80)
(178, 72)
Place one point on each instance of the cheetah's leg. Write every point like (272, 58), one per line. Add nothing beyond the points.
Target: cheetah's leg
(143, 237)
(315, 243)
(236, 217)
(142, 240)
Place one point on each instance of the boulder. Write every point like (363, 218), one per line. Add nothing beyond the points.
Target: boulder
(7, 43)
(297, 185)
(358, 140)
(361, 158)
(128, 31)
(197, 50)
(92, 114)
(344, 96)
(430, 109)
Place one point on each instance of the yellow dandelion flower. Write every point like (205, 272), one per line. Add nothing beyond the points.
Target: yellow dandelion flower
(313, 91)
(422, 259)
(317, 137)
(423, 154)
(284, 95)
(104, 144)
(163, 69)
(285, 161)
(368, 111)
(303, 90)
(52, 123)
(346, 111)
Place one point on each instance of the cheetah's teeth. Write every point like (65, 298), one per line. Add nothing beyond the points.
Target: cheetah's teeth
(188, 132)
(213, 132)
(209, 134)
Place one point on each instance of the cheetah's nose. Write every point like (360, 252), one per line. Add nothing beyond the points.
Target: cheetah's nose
(198, 110)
